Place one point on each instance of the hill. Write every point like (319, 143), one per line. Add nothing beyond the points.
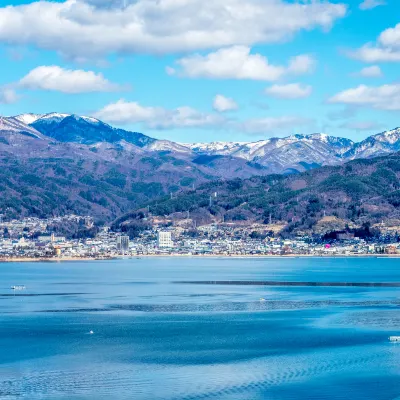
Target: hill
(364, 191)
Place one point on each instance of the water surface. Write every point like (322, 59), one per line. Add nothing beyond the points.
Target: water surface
(188, 328)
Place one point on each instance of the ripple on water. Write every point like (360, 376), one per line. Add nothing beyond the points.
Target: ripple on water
(236, 379)
(383, 319)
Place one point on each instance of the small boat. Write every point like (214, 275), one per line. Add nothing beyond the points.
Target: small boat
(91, 332)
(262, 299)
(394, 338)
(18, 287)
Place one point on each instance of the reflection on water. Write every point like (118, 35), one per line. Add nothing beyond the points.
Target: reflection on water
(155, 338)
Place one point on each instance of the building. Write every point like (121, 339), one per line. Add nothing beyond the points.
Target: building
(51, 238)
(165, 239)
(123, 243)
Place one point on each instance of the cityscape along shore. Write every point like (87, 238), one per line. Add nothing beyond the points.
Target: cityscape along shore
(34, 239)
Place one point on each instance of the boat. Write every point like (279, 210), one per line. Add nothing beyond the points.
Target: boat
(262, 299)
(91, 332)
(394, 338)
(18, 287)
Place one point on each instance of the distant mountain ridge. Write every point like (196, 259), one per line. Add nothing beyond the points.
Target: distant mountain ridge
(295, 153)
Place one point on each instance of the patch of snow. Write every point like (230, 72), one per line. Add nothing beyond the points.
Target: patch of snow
(51, 117)
(28, 118)
(91, 120)
(12, 124)
(166, 145)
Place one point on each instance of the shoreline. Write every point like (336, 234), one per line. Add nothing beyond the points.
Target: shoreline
(54, 259)
(234, 256)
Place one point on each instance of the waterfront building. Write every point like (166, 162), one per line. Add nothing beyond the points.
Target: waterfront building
(164, 239)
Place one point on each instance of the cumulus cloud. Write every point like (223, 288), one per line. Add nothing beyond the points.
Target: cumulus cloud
(290, 91)
(371, 54)
(386, 48)
(369, 4)
(385, 97)
(8, 96)
(237, 62)
(63, 80)
(362, 125)
(222, 103)
(370, 72)
(82, 29)
(124, 112)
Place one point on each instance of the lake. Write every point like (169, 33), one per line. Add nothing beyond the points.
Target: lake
(182, 329)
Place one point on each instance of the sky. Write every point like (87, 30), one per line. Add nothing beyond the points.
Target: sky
(202, 71)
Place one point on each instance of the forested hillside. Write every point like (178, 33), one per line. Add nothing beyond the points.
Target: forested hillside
(359, 192)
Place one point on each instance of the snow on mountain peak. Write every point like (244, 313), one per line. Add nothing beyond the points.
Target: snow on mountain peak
(11, 124)
(91, 120)
(52, 117)
(28, 118)
(391, 136)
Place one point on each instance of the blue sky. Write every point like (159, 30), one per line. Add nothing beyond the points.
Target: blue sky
(190, 71)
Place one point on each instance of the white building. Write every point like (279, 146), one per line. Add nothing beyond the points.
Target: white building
(165, 239)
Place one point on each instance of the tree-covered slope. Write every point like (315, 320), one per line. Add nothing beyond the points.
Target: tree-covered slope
(364, 190)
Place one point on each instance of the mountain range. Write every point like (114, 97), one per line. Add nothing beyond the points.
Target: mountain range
(57, 163)
(295, 153)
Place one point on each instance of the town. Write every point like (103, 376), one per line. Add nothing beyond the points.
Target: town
(32, 238)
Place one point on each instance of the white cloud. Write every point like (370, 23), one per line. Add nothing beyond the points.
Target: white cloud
(274, 125)
(8, 96)
(290, 91)
(386, 48)
(237, 62)
(372, 54)
(370, 72)
(386, 97)
(63, 80)
(362, 125)
(123, 112)
(369, 4)
(222, 103)
(300, 65)
(92, 29)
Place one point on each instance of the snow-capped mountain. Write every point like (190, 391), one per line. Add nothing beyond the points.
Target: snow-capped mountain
(28, 118)
(13, 125)
(220, 148)
(167, 145)
(296, 152)
(288, 154)
(379, 144)
(80, 129)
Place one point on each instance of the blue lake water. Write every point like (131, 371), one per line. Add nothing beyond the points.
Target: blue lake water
(156, 338)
